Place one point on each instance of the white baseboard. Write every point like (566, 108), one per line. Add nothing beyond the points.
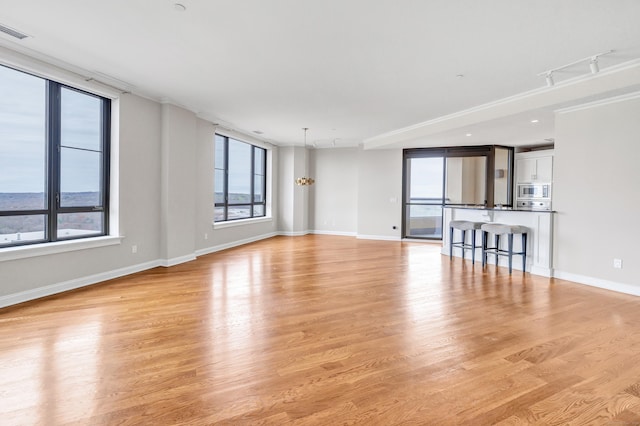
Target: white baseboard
(232, 244)
(543, 272)
(178, 260)
(378, 237)
(36, 293)
(293, 234)
(597, 282)
(337, 233)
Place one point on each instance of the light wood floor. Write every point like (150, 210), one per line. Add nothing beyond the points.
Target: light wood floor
(323, 330)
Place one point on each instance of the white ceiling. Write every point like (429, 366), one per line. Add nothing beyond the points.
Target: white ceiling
(349, 70)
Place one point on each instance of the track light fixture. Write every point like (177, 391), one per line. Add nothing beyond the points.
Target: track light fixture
(549, 79)
(593, 67)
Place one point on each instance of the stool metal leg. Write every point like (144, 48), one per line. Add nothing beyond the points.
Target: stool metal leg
(484, 248)
(510, 252)
(473, 246)
(450, 242)
(524, 251)
(464, 234)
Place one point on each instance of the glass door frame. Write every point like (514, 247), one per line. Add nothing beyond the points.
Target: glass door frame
(406, 187)
(487, 151)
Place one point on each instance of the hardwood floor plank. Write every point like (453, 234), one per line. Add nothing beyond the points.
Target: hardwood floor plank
(323, 330)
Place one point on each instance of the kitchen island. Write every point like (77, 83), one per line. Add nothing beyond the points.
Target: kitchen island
(539, 241)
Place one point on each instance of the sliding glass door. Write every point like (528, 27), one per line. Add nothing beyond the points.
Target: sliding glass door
(424, 188)
(433, 178)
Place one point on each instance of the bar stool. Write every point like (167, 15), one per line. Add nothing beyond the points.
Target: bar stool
(464, 226)
(500, 229)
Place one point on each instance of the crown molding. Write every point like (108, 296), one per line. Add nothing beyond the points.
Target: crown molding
(413, 131)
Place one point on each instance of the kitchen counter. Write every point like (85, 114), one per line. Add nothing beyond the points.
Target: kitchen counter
(502, 209)
(539, 241)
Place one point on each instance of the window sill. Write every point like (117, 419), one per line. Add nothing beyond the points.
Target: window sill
(22, 252)
(240, 222)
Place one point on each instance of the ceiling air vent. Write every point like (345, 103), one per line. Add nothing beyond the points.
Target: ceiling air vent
(12, 32)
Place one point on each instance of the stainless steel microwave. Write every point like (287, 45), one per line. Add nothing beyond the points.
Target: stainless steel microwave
(534, 190)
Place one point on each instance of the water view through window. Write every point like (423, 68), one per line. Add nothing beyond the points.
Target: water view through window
(239, 180)
(424, 198)
(46, 174)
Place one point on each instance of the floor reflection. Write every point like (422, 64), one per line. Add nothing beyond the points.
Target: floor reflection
(51, 375)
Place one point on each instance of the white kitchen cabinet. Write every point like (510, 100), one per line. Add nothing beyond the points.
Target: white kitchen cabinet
(534, 169)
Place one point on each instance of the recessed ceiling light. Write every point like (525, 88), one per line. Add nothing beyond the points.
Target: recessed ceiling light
(535, 121)
(468, 134)
(459, 75)
(179, 7)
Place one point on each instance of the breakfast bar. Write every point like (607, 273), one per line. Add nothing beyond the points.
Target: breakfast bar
(540, 233)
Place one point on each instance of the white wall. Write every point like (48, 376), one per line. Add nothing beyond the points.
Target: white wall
(178, 184)
(205, 134)
(139, 165)
(333, 199)
(380, 194)
(596, 177)
(293, 202)
(285, 188)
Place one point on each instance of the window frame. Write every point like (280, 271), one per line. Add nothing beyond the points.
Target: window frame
(53, 166)
(225, 164)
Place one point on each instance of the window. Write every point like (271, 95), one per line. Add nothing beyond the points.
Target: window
(54, 161)
(239, 180)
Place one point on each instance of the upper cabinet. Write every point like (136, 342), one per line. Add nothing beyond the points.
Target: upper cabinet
(536, 166)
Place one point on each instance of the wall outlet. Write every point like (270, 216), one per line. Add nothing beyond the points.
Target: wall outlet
(617, 263)
(206, 236)
(134, 248)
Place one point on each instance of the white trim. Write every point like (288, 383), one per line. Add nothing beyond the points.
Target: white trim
(177, 260)
(382, 139)
(599, 283)
(243, 137)
(232, 244)
(543, 272)
(337, 233)
(27, 295)
(32, 62)
(239, 222)
(601, 102)
(378, 237)
(294, 234)
(50, 68)
(22, 252)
